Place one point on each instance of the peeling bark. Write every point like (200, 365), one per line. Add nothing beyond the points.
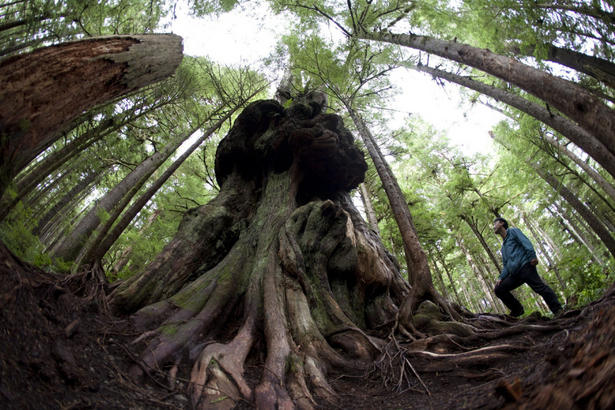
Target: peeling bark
(43, 91)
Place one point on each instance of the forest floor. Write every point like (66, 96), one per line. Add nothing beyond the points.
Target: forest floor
(59, 350)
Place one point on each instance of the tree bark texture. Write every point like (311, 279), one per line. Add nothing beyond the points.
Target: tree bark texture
(279, 259)
(43, 91)
(572, 100)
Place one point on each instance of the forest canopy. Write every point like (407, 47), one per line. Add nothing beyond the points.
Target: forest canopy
(148, 189)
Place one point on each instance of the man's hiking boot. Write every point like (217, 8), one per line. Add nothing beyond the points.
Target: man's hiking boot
(517, 313)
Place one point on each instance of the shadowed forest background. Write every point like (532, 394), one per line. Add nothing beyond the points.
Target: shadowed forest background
(145, 193)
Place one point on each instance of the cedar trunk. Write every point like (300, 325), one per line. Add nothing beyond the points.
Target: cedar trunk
(42, 92)
(279, 262)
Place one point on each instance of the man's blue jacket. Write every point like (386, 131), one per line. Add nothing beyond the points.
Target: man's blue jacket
(517, 250)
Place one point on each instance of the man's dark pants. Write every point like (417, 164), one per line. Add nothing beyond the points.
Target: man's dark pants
(527, 274)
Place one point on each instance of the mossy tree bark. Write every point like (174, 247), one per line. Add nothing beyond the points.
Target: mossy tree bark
(279, 262)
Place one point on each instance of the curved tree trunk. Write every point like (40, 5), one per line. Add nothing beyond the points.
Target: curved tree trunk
(116, 200)
(573, 101)
(419, 274)
(279, 259)
(594, 148)
(599, 68)
(38, 90)
(105, 236)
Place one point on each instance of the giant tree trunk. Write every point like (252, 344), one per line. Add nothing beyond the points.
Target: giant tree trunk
(572, 100)
(43, 91)
(280, 259)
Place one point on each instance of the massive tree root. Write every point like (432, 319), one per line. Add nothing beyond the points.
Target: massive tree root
(280, 272)
(301, 277)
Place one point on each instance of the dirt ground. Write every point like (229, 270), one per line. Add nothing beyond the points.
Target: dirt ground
(62, 351)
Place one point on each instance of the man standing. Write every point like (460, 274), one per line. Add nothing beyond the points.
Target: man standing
(520, 263)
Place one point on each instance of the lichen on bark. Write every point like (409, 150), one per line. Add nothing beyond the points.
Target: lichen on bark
(300, 285)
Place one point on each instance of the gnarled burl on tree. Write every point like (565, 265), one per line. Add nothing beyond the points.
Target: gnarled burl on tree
(279, 270)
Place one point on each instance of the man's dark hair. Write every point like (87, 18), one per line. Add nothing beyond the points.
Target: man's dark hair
(503, 221)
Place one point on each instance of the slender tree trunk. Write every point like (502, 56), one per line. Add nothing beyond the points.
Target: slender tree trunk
(481, 240)
(72, 244)
(125, 255)
(551, 264)
(596, 225)
(418, 269)
(588, 216)
(572, 100)
(78, 144)
(106, 237)
(33, 108)
(606, 186)
(487, 287)
(605, 216)
(81, 186)
(554, 247)
(372, 220)
(488, 276)
(439, 278)
(584, 140)
(448, 273)
(574, 234)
